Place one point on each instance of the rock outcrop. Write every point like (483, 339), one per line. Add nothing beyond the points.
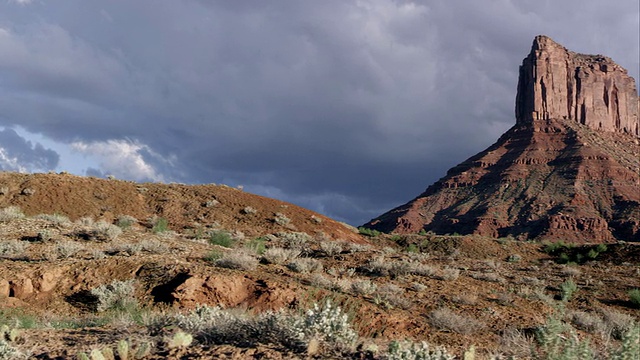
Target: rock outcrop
(556, 83)
(568, 169)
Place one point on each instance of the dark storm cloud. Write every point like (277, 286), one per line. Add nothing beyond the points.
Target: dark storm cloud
(18, 154)
(346, 107)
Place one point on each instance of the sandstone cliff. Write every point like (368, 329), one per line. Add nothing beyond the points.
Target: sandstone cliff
(568, 170)
(556, 83)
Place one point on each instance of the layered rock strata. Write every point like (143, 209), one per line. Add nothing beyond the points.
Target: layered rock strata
(568, 170)
(556, 83)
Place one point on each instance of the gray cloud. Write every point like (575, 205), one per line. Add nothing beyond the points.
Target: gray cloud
(19, 154)
(346, 107)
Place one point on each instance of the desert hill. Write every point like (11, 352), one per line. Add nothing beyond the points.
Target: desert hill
(567, 170)
(183, 206)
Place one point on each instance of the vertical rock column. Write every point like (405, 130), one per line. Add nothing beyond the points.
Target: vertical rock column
(560, 84)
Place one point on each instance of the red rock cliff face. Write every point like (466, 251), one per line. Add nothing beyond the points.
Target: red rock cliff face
(567, 170)
(556, 83)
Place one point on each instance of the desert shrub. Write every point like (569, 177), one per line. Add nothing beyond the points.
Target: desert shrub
(325, 323)
(280, 256)
(634, 297)
(98, 254)
(68, 249)
(85, 221)
(126, 221)
(516, 343)
(56, 219)
(281, 219)
(567, 289)
(8, 352)
(160, 225)
(448, 274)
(400, 268)
(377, 266)
(237, 260)
(571, 271)
(419, 287)
(354, 248)
(237, 235)
(249, 210)
(617, 323)
(553, 247)
(445, 319)
(100, 231)
(368, 232)
(118, 295)
(530, 280)
(221, 238)
(412, 248)
(11, 213)
(330, 248)
(44, 235)
(341, 271)
(572, 254)
(214, 255)
(490, 277)
(199, 319)
(514, 258)
(295, 240)
(257, 245)
(406, 350)
(340, 285)
(180, 339)
(148, 245)
(305, 265)
(630, 345)
(363, 287)
(589, 322)
(211, 203)
(557, 340)
(13, 248)
(467, 298)
(390, 296)
(320, 281)
(421, 269)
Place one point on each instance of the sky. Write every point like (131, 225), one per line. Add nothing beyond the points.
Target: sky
(345, 107)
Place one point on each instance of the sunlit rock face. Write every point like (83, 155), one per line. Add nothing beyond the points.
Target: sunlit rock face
(556, 83)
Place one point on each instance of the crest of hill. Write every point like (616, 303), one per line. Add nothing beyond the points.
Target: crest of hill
(183, 206)
(567, 170)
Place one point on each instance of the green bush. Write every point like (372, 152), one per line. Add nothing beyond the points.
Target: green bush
(368, 232)
(570, 253)
(559, 341)
(567, 289)
(160, 225)
(214, 255)
(221, 238)
(634, 296)
(257, 245)
(125, 221)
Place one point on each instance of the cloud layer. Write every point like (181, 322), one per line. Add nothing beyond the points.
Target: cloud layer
(346, 107)
(21, 155)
